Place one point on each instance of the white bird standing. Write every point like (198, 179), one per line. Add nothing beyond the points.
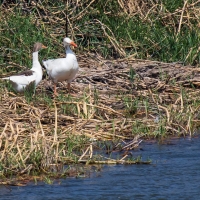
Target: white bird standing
(24, 79)
(63, 69)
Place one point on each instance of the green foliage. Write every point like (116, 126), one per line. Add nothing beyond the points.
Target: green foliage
(19, 35)
(131, 105)
(153, 36)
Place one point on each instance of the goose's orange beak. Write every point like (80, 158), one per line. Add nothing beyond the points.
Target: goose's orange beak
(44, 47)
(73, 44)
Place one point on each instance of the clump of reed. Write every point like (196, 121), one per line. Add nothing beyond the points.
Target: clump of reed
(42, 136)
(114, 116)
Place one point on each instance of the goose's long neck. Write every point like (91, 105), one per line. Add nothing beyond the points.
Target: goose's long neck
(68, 50)
(36, 64)
(35, 56)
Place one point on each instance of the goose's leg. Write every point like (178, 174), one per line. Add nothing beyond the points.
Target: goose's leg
(69, 90)
(55, 92)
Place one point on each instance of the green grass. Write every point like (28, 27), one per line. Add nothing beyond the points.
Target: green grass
(19, 35)
(153, 39)
(149, 38)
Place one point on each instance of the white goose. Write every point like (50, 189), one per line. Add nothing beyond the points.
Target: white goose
(63, 69)
(22, 80)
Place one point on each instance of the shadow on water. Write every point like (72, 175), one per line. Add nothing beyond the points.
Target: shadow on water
(173, 174)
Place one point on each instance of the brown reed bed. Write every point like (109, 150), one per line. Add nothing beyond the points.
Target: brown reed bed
(110, 111)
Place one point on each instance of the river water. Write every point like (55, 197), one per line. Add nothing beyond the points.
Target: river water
(174, 174)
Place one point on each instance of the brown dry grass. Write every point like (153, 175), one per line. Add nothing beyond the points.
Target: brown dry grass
(44, 133)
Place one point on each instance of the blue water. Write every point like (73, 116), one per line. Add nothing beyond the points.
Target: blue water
(173, 174)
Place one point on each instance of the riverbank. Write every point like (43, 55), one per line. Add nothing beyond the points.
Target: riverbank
(174, 167)
(112, 109)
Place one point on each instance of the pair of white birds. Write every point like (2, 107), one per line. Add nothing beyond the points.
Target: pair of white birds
(61, 69)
